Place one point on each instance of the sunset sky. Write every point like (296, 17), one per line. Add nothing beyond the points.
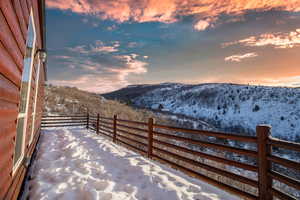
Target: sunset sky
(104, 45)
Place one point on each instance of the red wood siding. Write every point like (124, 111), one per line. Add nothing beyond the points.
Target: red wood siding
(11, 17)
(19, 13)
(25, 11)
(8, 68)
(8, 113)
(7, 39)
(8, 91)
(14, 19)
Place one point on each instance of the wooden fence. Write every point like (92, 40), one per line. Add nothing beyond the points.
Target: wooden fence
(63, 121)
(175, 146)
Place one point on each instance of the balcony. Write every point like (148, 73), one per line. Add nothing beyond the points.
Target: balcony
(87, 157)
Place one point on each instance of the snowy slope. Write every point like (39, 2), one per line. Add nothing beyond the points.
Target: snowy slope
(231, 106)
(75, 164)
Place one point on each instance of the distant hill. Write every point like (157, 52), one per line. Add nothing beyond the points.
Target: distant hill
(130, 92)
(228, 106)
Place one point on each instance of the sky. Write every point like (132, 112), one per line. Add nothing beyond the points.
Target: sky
(104, 45)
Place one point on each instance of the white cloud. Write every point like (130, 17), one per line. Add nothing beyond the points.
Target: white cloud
(133, 66)
(62, 57)
(240, 57)
(276, 40)
(95, 24)
(111, 28)
(132, 44)
(102, 48)
(201, 25)
(79, 49)
(97, 47)
(85, 21)
(105, 79)
(96, 76)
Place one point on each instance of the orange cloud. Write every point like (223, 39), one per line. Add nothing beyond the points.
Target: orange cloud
(167, 11)
(277, 40)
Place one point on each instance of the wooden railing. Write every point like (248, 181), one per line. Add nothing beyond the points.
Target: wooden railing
(64, 120)
(248, 172)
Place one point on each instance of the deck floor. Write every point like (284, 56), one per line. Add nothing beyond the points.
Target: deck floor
(78, 164)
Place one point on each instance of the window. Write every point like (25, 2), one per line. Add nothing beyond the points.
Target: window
(25, 93)
(35, 100)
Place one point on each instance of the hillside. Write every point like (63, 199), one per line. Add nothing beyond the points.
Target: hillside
(126, 95)
(70, 100)
(230, 107)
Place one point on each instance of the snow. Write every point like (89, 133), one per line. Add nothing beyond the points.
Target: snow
(232, 105)
(74, 163)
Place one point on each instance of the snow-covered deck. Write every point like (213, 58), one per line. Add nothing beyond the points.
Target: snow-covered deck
(78, 164)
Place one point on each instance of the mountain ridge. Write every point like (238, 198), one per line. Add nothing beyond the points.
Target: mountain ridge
(227, 105)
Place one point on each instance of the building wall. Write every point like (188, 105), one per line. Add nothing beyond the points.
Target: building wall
(14, 20)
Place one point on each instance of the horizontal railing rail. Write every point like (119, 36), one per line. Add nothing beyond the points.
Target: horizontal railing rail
(245, 170)
(64, 121)
(283, 162)
(210, 133)
(63, 116)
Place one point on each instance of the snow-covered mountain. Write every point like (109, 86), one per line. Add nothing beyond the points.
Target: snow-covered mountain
(230, 107)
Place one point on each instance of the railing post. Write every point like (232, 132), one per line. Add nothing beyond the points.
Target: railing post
(87, 120)
(115, 129)
(264, 166)
(150, 137)
(97, 125)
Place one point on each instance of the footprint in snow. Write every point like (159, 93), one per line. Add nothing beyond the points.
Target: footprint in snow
(170, 178)
(156, 180)
(178, 184)
(193, 189)
(101, 185)
(105, 196)
(143, 186)
(129, 189)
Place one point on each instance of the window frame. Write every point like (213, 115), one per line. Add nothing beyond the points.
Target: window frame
(37, 85)
(16, 164)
